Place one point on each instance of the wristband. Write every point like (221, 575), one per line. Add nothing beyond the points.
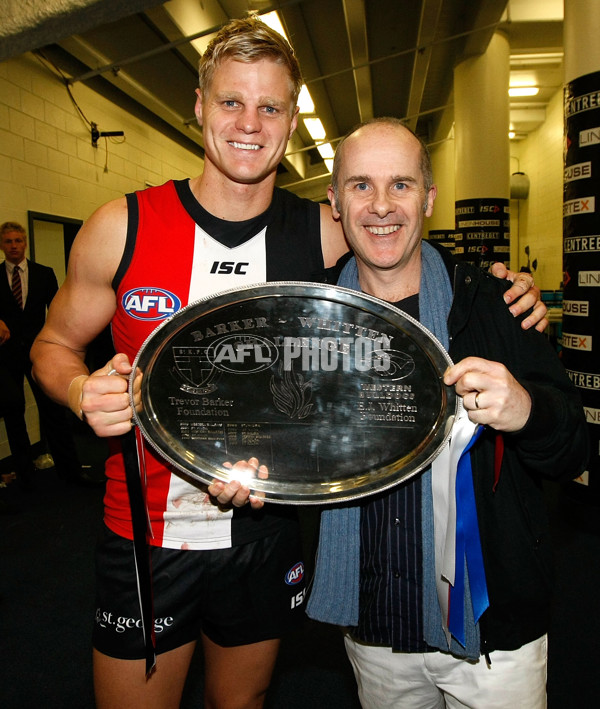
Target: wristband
(75, 396)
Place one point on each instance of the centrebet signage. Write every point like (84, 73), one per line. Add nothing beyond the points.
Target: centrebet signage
(444, 237)
(482, 231)
(581, 256)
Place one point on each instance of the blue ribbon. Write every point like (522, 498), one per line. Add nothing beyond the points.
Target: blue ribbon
(469, 557)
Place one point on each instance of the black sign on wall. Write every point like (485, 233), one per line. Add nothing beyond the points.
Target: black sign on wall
(482, 231)
(445, 237)
(581, 255)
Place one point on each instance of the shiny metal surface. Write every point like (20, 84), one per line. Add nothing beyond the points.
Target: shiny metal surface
(339, 394)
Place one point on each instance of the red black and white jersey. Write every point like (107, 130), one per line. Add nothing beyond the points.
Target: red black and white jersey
(175, 253)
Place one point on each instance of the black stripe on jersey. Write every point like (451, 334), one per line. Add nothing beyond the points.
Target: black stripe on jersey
(133, 215)
(230, 234)
(293, 240)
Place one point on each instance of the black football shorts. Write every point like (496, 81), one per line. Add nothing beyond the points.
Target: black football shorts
(236, 596)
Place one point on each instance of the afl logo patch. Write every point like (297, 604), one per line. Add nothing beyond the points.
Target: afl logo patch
(295, 574)
(150, 303)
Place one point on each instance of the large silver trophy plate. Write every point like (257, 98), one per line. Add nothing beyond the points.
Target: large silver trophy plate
(339, 394)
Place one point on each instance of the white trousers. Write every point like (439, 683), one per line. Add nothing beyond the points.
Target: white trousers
(434, 680)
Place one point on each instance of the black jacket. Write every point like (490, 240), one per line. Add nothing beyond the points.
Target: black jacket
(25, 324)
(553, 444)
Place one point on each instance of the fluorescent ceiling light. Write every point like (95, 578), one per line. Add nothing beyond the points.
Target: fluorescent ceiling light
(522, 77)
(531, 11)
(523, 91)
(272, 20)
(315, 128)
(305, 102)
(325, 150)
(551, 58)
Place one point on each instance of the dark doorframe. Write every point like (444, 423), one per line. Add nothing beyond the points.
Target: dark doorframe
(70, 229)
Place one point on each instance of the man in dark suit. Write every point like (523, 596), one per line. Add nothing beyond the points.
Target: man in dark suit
(26, 289)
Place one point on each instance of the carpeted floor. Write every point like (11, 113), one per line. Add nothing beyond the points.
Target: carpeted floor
(46, 610)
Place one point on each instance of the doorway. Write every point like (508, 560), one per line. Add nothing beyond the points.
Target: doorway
(50, 240)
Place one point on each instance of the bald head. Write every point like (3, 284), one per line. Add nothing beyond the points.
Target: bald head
(363, 129)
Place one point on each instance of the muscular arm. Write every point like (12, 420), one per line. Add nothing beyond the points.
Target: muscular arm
(81, 309)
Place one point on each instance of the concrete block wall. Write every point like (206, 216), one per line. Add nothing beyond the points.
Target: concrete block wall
(48, 164)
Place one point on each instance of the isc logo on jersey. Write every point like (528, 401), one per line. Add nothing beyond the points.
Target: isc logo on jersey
(150, 303)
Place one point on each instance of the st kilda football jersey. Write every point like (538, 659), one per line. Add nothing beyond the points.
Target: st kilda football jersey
(176, 252)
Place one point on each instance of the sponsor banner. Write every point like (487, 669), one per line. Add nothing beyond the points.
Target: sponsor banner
(445, 237)
(581, 253)
(582, 244)
(592, 415)
(577, 342)
(575, 104)
(591, 279)
(580, 205)
(482, 231)
(576, 308)
(581, 171)
(585, 380)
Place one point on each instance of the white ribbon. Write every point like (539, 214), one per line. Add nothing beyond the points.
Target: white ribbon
(443, 484)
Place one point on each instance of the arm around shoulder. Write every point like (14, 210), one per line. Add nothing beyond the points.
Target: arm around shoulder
(522, 296)
(333, 241)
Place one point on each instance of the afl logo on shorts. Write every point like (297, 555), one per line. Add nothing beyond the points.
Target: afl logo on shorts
(150, 303)
(295, 574)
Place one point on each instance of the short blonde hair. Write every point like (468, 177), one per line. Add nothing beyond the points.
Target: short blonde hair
(12, 226)
(249, 40)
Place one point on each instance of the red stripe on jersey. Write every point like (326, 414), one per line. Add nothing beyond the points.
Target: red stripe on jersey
(160, 267)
